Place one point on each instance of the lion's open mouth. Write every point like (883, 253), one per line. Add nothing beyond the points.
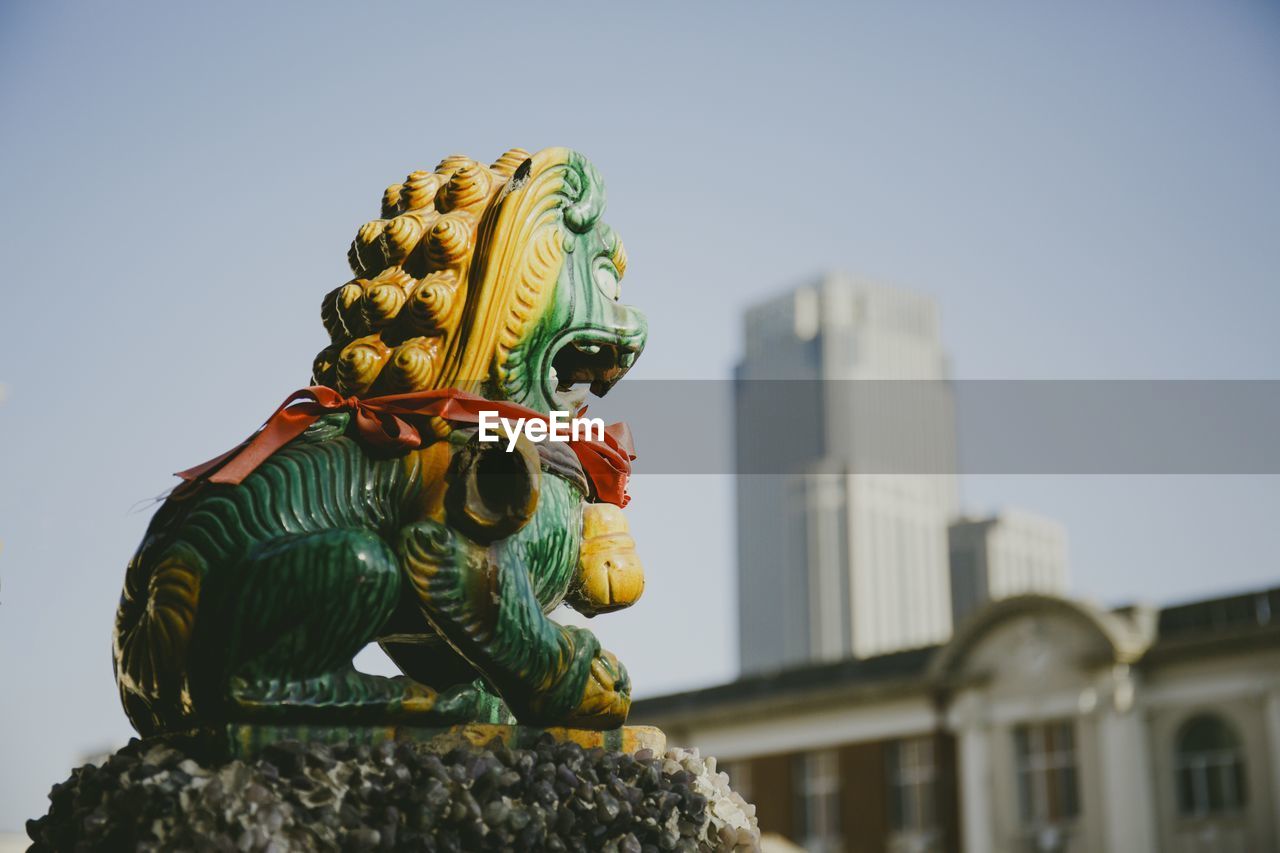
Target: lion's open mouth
(588, 361)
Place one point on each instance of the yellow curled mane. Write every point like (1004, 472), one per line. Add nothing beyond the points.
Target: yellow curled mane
(453, 276)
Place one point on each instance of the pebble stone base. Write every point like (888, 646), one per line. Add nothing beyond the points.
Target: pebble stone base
(550, 795)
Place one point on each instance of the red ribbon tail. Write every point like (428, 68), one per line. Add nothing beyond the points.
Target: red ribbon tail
(213, 464)
(279, 431)
(607, 463)
(285, 424)
(619, 435)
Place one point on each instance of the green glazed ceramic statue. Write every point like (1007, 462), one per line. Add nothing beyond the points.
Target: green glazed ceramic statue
(368, 510)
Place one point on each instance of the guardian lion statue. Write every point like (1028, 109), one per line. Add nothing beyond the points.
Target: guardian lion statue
(366, 510)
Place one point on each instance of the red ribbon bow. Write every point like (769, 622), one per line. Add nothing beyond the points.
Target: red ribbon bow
(396, 421)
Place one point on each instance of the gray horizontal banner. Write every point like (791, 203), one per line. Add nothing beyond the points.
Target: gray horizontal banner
(947, 427)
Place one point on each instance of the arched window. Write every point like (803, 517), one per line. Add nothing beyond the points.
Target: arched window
(1210, 767)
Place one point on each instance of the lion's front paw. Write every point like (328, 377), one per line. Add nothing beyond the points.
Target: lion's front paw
(606, 698)
(609, 575)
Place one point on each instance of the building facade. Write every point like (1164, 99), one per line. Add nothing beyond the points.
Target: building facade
(842, 545)
(1044, 724)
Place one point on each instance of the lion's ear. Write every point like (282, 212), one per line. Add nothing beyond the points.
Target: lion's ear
(585, 190)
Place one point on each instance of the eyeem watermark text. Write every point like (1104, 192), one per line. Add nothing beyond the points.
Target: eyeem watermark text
(557, 427)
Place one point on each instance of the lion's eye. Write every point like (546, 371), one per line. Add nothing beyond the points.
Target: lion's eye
(606, 277)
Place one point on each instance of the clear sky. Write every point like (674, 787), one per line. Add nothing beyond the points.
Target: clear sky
(1090, 190)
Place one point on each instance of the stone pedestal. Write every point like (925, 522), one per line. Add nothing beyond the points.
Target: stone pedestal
(470, 787)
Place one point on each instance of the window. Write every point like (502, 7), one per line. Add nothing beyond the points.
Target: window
(1210, 767)
(1046, 764)
(912, 774)
(818, 801)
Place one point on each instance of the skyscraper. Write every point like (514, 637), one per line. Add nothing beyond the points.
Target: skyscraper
(1010, 553)
(842, 536)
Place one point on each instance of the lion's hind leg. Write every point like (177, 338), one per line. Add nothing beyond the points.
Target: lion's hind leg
(279, 631)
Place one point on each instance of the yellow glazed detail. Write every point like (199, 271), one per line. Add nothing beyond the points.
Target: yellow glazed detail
(609, 576)
(449, 280)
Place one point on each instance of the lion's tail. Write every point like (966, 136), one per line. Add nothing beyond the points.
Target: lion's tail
(153, 629)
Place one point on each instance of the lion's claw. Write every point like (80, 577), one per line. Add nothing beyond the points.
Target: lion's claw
(606, 698)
